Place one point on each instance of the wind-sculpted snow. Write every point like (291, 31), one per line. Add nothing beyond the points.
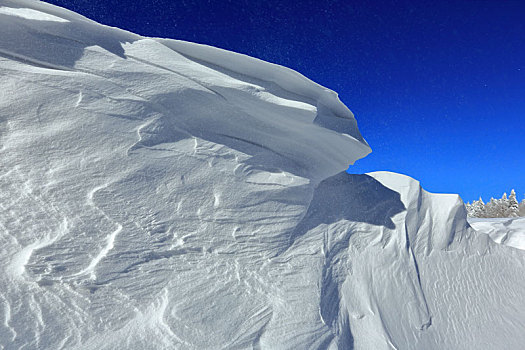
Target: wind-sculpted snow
(156, 194)
(507, 231)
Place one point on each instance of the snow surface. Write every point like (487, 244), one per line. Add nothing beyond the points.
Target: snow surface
(158, 194)
(507, 231)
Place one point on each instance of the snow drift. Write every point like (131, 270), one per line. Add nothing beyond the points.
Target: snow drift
(507, 231)
(162, 194)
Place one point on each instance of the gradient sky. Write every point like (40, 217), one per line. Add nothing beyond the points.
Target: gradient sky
(437, 87)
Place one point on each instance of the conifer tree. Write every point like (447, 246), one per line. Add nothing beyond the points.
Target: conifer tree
(478, 208)
(521, 211)
(502, 206)
(513, 206)
(468, 207)
(505, 207)
(491, 208)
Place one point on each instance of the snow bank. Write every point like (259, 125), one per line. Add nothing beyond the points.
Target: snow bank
(162, 194)
(290, 80)
(258, 108)
(507, 231)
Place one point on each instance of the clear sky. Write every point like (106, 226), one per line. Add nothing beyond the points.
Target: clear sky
(437, 87)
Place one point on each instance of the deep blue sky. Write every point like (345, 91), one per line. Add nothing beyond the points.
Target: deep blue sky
(437, 87)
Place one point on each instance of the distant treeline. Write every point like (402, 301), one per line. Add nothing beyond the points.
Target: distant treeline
(505, 207)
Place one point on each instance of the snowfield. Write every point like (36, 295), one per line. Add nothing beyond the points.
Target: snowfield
(507, 231)
(159, 194)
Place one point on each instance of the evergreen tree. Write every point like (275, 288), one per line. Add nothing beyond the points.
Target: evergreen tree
(522, 208)
(478, 208)
(468, 207)
(491, 208)
(513, 206)
(505, 207)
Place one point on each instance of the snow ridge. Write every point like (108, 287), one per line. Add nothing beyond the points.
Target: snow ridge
(163, 194)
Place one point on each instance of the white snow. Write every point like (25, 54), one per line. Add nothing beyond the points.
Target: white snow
(30, 14)
(507, 231)
(158, 194)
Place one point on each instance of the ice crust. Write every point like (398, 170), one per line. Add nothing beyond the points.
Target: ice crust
(159, 194)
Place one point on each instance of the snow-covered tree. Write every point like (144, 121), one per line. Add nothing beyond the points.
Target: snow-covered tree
(468, 207)
(512, 206)
(504, 207)
(478, 208)
(521, 211)
(491, 209)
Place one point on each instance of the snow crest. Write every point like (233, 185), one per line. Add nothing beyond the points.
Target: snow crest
(162, 194)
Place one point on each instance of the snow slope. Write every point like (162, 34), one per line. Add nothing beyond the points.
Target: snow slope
(507, 231)
(158, 194)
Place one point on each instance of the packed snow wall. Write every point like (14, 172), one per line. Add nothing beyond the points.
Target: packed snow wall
(161, 194)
